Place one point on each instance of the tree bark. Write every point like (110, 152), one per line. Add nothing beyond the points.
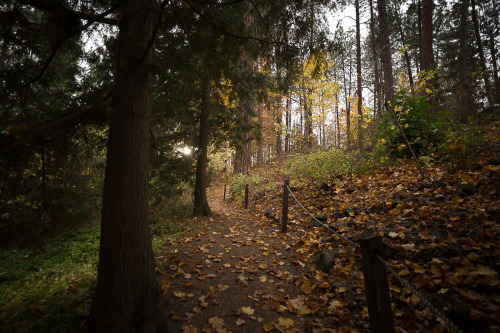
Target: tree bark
(376, 98)
(464, 93)
(359, 81)
(279, 121)
(426, 54)
(260, 148)
(493, 57)
(201, 207)
(307, 118)
(386, 52)
(403, 42)
(487, 85)
(128, 297)
(287, 123)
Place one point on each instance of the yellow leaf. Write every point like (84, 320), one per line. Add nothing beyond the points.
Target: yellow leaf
(247, 310)
(285, 322)
(216, 322)
(179, 294)
(306, 288)
(303, 310)
(269, 326)
(483, 270)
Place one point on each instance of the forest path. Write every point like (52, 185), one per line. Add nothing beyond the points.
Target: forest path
(237, 274)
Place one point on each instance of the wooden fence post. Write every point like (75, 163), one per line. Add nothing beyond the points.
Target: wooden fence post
(284, 217)
(224, 192)
(246, 196)
(377, 288)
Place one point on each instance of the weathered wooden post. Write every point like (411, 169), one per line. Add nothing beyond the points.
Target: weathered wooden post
(377, 288)
(224, 192)
(284, 217)
(246, 196)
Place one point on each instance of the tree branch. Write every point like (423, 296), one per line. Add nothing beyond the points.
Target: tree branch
(221, 29)
(54, 7)
(28, 134)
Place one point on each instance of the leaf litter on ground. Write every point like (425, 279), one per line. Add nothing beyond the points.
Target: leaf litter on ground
(442, 235)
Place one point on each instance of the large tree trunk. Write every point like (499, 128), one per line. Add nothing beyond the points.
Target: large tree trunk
(358, 72)
(201, 207)
(128, 297)
(386, 52)
(487, 85)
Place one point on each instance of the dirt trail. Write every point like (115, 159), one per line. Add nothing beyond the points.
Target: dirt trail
(237, 275)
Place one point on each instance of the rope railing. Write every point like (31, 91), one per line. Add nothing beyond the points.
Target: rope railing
(379, 308)
(321, 223)
(422, 298)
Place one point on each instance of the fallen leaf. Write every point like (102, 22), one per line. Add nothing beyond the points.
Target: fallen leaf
(285, 322)
(247, 310)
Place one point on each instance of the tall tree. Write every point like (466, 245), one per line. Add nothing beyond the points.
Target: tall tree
(404, 44)
(388, 85)
(426, 49)
(201, 207)
(376, 83)
(479, 41)
(359, 76)
(426, 53)
(128, 297)
(465, 97)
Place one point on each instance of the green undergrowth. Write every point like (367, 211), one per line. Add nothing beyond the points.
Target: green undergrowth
(319, 165)
(51, 291)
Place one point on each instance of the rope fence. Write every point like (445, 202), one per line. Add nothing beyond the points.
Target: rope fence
(375, 275)
(374, 271)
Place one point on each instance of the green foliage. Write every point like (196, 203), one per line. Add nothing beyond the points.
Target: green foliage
(433, 138)
(422, 131)
(238, 182)
(323, 164)
(461, 141)
(50, 292)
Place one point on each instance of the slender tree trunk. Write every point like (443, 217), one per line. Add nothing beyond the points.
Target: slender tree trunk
(201, 207)
(419, 19)
(44, 178)
(487, 85)
(403, 42)
(464, 93)
(376, 88)
(337, 118)
(359, 77)
(493, 57)
(260, 149)
(386, 52)
(307, 120)
(426, 55)
(128, 297)
(279, 121)
(347, 93)
(287, 123)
